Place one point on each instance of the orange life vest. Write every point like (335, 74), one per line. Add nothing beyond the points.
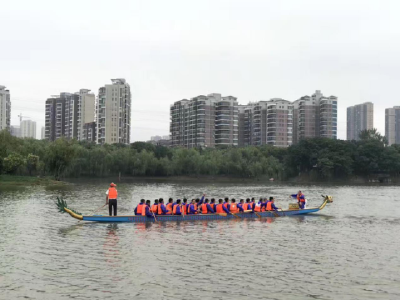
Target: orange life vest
(213, 206)
(220, 209)
(258, 207)
(226, 205)
(195, 207)
(263, 208)
(169, 207)
(234, 208)
(174, 210)
(184, 209)
(246, 206)
(204, 209)
(154, 208)
(160, 212)
(269, 205)
(301, 200)
(140, 208)
(143, 209)
(112, 193)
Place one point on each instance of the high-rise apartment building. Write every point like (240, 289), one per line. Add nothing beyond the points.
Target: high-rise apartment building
(359, 117)
(279, 122)
(392, 125)
(245, 124)
(42, 133)
(15, 130)
(71, 115)
(266, 123)
(113, 110)
(204, 121)
(85, 113)
(28, 129)
(67, 114)
(89, 132)
(55, 117)
(5, 108)
(314, 116)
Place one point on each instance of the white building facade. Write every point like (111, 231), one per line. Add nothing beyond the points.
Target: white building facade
(86, 112)
(28, 129)
(113, 109)
(42, 133)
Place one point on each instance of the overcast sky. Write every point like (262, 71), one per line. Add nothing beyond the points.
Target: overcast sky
(168, 50)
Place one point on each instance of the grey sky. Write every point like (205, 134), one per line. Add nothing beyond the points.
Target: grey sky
(169, 50)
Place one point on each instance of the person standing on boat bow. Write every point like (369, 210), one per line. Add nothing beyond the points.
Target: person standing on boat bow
(301, 199)
(111, 199)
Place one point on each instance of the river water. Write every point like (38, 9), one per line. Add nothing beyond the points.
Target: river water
(350, 250)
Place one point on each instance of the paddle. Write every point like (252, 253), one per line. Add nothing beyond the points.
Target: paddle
(98, 209)
(274, 213)
(236, 216)
(283, 212)
(155, 219)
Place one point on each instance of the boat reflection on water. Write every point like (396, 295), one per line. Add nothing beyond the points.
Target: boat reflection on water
(110, 246)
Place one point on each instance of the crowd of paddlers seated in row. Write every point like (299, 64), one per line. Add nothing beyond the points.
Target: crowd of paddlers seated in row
(203, 206)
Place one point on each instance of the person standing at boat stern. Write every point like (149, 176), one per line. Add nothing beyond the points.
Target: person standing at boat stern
(301, 199)
(111, 198)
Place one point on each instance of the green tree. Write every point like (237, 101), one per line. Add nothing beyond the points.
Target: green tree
(32, 162)
(12, 163)
(372, 134)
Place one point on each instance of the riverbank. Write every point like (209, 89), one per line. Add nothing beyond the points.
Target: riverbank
(304, 179)
(11, 180)
(221, 179)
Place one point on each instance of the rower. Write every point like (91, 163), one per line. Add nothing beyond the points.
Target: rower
(241, 205)
(154, 207)
(271, 205)
(301, 199)
(161, 207)
(111, 199)
(192, 208)
(213, 204)
(263, 204)
(169, 206)
(253, 203)
(206, 208)
(258, 206)
(226, 204)
(220, 208)
(146, 210)
(247, 205)
(184, 206)
(139, 207)
(233, 207)
(177, 210)
(199, 202)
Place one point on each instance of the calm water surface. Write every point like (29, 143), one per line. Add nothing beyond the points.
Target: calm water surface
(351, 250)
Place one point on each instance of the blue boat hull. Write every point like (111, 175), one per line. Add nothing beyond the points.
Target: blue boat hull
(198, 217)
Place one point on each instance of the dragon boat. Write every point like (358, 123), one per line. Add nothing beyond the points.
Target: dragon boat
(62, 206)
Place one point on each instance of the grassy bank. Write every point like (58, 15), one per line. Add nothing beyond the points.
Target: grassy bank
(11, 180)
